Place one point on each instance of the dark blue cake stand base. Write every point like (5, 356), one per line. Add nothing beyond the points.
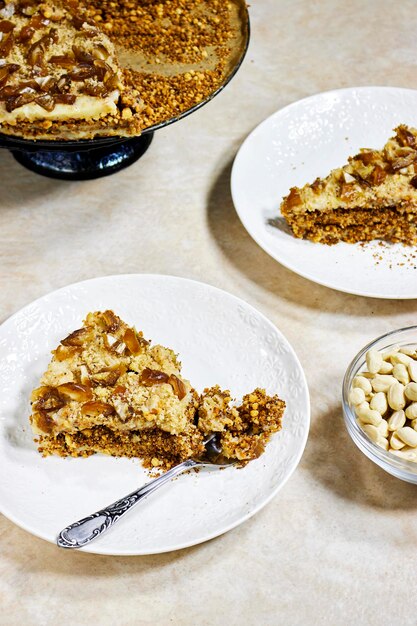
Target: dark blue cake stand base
(80, 160)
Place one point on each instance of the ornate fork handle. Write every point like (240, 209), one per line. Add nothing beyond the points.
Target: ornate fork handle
(85, 530)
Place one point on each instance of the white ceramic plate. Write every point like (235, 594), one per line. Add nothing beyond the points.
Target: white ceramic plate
(305, 140)
(220, 339)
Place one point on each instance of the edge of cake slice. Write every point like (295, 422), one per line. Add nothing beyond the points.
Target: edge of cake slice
(373, 196)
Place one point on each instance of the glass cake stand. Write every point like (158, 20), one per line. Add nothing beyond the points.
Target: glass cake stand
(94, 158)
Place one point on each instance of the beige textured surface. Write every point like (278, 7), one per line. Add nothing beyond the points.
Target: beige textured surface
(337, 545)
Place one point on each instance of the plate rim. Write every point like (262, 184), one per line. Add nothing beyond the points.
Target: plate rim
(263, 244)
(156, 276)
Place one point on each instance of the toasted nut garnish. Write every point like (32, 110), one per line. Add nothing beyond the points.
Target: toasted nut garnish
(6, 26)
(82, 55)
(43, 421)
(65, 98)
(348, 190)
(118, 347)
(40, 392)
(151, 377)
(46, 84)
(119, 390)
(366, 156)
(82, 71)
(65, 352)
(134, 342)
(293, 199)
(76, 338)
(111, 321)
(127, 113)
(178, 386)
(100, 52)
(6, 70)
(406, 138)
(63, 60)
(6, 44)
(80, 393)
(26, 34)
(46, 102)
(97, 408)
(404, 161)
(108, 376)
(378, 175)
(14, 102)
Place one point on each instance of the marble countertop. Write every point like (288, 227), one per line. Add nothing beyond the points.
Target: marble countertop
(335, 546)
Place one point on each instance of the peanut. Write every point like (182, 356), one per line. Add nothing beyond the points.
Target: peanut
(386, 368)
(396, 397)
(408, 455)
(382, 382)
(408, 436)
(397, 420)
(395, 442)
(362, 383)
(383, 428)
(373, 361)
(400, 372)
(371, 431)
(356, 396)
(409, 352)
(412, 370)
(411, 391)
(411, 411)
(379, 403)
(383, 443)
(399, 357)
(369, 416)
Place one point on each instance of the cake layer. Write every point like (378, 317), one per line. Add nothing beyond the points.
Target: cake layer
(155, 447)
(389, 224)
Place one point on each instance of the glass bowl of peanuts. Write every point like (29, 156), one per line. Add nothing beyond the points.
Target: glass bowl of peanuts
(380, 402)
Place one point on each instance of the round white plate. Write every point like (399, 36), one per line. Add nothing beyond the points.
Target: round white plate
(305, 140)
(220, 339)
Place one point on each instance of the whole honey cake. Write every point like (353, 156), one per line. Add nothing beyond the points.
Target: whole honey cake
(108, 390)
(59, 74)
(374, 196)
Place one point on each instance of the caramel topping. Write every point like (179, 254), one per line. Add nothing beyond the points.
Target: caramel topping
(74, 391)
(151, 377)
(95, 408)
(378, 175)
(294, 198)
(178, 386)
(77, 338)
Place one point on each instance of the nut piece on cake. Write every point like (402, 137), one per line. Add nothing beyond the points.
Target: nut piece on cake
(374, 196)
(59, 75)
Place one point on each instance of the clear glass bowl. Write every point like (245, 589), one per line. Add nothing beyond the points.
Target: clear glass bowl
(403, 469)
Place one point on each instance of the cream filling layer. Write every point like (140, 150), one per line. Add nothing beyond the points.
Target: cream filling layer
(84, 108)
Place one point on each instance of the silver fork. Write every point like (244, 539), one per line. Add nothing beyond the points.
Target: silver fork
(80, 533)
